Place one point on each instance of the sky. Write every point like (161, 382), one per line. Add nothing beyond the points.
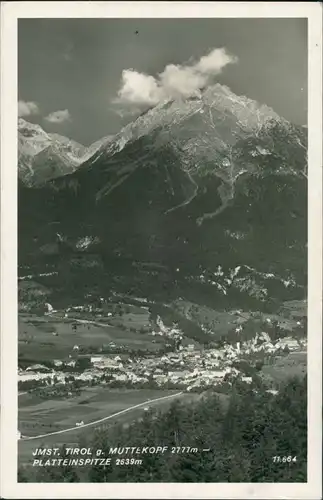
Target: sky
(86, 78)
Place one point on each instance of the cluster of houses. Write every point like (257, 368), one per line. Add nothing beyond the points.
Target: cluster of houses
(187, 367)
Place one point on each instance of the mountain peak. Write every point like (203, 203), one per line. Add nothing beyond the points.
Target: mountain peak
(43, 156)
(28, 129)
(216, 116)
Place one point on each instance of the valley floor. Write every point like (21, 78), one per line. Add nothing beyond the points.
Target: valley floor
(80, 371)
(53, 423)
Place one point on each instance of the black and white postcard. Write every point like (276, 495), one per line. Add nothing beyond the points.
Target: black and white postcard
(161, 238)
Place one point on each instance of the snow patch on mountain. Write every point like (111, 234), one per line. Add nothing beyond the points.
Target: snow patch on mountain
(43, 156)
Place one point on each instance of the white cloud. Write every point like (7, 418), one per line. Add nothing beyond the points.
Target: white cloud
(138, 88)
(142, 90)
(58, 116)
(213, 63)
(26, 108)
(180, 81)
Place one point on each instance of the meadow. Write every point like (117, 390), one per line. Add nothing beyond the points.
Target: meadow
(285, 367)
(46, 337)
(37, 417)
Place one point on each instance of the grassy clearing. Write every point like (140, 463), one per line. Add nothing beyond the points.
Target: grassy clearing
(42, 338)
(295, 308)
(91, 405)
(292, 365)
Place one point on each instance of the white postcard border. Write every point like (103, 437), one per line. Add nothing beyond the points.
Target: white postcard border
(11, 11)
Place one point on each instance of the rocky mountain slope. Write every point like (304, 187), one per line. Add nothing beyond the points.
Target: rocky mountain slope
(189, 185)
(43, 156)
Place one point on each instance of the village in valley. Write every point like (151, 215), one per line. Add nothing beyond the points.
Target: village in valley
(181, 363)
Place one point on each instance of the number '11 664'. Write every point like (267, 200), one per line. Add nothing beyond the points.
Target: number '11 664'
(284, 459)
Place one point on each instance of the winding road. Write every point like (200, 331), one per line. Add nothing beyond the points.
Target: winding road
(149, 401)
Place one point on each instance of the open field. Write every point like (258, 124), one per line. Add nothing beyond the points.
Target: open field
(43, 417)
(295, 308)
(292, 365)
(45, 337)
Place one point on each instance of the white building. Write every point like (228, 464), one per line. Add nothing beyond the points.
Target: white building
(122, 377)
(96, 359)
(38, 368)
(272, 391)
(23, 377)
(219, 373)
(289, 342)
(50, 308)
(248, 380)
(292, 343)
(265, 337)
